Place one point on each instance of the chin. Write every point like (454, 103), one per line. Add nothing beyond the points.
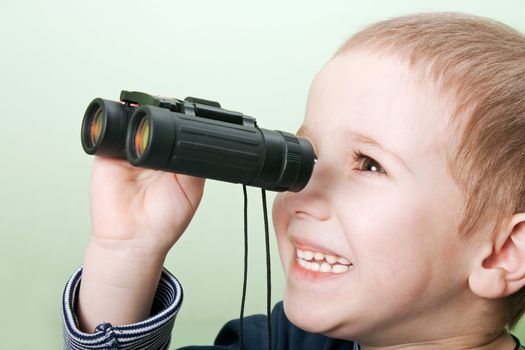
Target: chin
(310, 315)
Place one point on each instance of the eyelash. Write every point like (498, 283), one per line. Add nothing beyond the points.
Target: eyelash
(362, 158)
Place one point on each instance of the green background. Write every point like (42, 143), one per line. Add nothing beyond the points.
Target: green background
(55, 56)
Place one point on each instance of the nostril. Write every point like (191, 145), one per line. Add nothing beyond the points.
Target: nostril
(316, 211)
(301, 214)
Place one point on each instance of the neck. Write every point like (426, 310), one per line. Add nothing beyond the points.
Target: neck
(502, 341)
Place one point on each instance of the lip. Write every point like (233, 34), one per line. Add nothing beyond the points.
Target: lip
(304, 244)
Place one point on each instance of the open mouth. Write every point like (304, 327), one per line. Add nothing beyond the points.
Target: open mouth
(320, 262)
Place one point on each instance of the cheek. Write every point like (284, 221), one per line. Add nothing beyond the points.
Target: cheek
(399, 242)
(280, 216)
(281, 220)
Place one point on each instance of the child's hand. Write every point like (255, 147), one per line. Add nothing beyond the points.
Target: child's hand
(137, 215)
(140, 210)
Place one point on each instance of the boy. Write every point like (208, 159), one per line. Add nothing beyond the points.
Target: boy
(409, 235)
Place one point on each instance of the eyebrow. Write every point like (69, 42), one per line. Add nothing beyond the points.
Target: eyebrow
(361, 138)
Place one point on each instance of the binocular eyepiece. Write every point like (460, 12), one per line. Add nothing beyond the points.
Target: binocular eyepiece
(196, 137)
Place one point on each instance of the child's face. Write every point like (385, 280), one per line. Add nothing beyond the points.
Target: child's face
(395, 218)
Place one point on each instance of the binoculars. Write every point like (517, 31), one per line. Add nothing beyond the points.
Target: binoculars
(196, 137)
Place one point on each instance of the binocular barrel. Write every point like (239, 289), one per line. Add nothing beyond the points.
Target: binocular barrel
(173, 137)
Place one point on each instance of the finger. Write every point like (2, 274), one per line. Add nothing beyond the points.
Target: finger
(192, 186)
(105, 168)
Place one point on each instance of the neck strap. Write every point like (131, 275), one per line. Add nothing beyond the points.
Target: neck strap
(518, 344)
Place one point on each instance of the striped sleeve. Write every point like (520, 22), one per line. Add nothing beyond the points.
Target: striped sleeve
(152, 333)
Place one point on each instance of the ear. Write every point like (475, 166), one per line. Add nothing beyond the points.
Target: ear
(500, 270)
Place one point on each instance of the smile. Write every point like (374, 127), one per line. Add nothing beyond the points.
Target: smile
(319, 262)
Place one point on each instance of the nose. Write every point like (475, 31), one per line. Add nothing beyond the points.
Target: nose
(312, 201)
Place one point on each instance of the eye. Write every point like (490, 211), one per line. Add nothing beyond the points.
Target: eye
(367, 164)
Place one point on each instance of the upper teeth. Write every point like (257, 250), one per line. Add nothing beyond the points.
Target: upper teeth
(317, 261)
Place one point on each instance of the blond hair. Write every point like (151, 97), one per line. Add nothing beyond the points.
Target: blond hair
(481, 63)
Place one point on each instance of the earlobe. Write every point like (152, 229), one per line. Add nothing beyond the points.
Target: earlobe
(501, 270)
(487, 282)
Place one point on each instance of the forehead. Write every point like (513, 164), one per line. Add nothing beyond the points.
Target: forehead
(382, 97)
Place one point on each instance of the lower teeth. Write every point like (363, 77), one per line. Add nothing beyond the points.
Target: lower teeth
(324, 267)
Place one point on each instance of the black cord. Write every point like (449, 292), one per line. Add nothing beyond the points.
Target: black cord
(245, 279)
(268, 270)
(518, 344)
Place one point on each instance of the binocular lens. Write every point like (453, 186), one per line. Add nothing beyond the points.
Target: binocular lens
(96, 126)
(104, 128)
(142, 136)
